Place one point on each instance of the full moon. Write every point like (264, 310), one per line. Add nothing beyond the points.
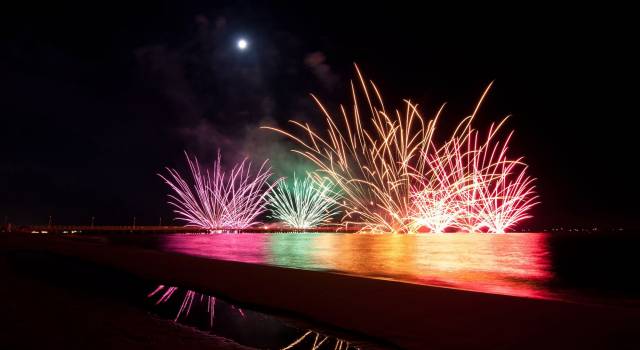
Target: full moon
(242, 44)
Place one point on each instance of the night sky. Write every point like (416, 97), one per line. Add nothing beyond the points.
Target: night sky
(97, 99)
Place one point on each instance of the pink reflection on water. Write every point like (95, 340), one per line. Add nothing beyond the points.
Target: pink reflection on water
(248, 248)
(512, 264)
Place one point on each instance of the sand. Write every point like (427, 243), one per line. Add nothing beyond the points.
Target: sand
(37, 312)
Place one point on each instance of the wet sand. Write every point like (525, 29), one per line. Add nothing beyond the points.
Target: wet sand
(409, 316)
(39, 311)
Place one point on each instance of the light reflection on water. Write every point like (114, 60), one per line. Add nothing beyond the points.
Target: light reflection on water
(513, 264)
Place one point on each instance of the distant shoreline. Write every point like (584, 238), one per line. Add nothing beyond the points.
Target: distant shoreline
(87, 229)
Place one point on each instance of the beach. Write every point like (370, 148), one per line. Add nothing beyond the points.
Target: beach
(402, 315)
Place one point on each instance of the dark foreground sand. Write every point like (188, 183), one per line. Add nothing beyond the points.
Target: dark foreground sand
(409, 316)
(37, 312)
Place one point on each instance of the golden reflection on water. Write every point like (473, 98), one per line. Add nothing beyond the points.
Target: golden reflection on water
(515, 264)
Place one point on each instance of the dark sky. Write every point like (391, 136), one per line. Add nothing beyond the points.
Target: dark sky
(97, 99)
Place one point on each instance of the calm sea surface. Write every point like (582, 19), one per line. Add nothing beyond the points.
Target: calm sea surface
(587, 267)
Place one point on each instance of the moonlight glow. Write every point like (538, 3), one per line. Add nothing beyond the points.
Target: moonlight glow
(242, 44)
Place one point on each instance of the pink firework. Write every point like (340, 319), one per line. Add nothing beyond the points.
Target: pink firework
(217, 201)
(472, 186)
(437, 199)
(501, 193)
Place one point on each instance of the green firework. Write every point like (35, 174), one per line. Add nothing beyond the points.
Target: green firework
(303, 203)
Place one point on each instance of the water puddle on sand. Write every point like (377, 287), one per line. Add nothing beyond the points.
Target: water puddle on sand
(245, 326)
(82, 289)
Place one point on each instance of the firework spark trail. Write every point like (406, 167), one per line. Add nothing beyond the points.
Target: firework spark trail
(394, 178)
(371, 160)
(304, 203)
(473, 188)
(437, 197)
(503, 192)
(215, 200)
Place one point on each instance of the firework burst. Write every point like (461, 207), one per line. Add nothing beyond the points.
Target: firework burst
(304, 203)
(437, 196)
(500, 193)
(369, 159)
(217, 201)
(394, 178)
(472, 185)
